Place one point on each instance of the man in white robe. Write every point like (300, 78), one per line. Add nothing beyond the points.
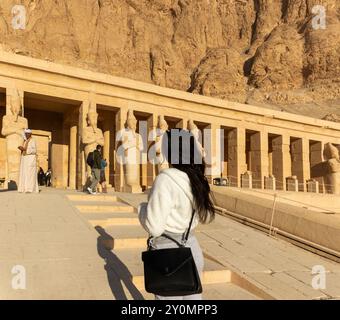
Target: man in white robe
(28, 179)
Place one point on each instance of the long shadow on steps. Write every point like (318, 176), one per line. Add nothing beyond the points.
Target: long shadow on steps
(117, 272)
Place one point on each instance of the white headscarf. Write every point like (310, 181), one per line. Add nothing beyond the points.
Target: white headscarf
(26, 131)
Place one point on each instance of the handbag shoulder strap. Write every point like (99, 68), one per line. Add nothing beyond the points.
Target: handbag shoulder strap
(185, 239)
(190, 224)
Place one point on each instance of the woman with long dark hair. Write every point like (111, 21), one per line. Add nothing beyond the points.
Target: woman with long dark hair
(175, 193)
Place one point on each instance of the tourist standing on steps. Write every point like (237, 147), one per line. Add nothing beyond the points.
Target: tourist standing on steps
(95, 169)
(28, 178)
(175, 193)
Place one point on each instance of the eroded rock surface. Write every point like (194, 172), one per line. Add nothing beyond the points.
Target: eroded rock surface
(255, 51)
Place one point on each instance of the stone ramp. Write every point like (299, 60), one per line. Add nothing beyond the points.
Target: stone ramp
(299, 222)
(45, 235)
(65, 257)
(122, 241)
(268, 267)
(273, 266)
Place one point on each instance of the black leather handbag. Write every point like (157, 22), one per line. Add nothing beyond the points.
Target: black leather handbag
(171, 272)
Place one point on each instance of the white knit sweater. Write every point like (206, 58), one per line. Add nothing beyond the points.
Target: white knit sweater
(169, 205)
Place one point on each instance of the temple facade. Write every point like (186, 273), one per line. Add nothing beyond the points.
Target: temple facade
(71, 110)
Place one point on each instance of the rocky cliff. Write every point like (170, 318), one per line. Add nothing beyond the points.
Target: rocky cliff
(264, 52)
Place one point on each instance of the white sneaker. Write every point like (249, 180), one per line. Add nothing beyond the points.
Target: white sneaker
(90, 190)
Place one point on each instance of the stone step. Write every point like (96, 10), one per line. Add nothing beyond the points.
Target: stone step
(227, 291)
(119, 221)
(218, 291)
(99, 208)
(105, 216)
(92, 198)
(131, 243)
(213, 272)
(125, 237)
(129, 237)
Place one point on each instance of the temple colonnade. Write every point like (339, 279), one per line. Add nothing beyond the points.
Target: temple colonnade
(252, 147)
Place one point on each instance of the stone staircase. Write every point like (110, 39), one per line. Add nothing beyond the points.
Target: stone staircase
(120, 233)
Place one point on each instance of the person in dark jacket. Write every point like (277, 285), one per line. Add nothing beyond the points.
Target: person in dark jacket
(96, 169)
(41, 177)
(102, 176)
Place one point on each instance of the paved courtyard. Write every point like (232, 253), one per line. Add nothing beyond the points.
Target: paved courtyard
(60, 252)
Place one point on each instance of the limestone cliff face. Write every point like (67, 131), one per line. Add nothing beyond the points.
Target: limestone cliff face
(263, 52)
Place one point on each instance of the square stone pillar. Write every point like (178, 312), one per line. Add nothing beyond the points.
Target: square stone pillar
(106, 154)
(300, 161)
(59, 164)
(151, 168)
(73, 156)
(247, 180)
(281, 160)
(316, 158)
(270, 183)
(71, 136)
(236, 155)
(183, 124)
(213, 153)
(120, 120)
(81, 176)
(313, 186)
(259, 158)
(13, 92)
(108, 124)
(292, 184)
(11, 129)
(224, 152)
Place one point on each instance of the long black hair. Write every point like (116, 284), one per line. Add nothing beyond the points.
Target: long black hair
(182, 152)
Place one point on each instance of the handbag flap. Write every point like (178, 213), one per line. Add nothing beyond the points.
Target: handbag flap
(167, 261)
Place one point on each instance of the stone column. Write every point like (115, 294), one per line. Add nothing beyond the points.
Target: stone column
(73, 156)
(107, 147)
(300, 161)
(151, 168)
(316, 158)
(332, 169)
(183, 124)
(259, 155)
(81, 174)
(213, 154)
(14, 92)
(225, 153)
(236, 155)
(13, 125)
(270, 162)
(120, 120)
(281, 160)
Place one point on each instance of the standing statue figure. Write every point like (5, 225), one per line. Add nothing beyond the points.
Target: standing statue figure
(13, 126)
(162, 127)
(332, 177)
(192, 127)
(92, 136)
(132, 145)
